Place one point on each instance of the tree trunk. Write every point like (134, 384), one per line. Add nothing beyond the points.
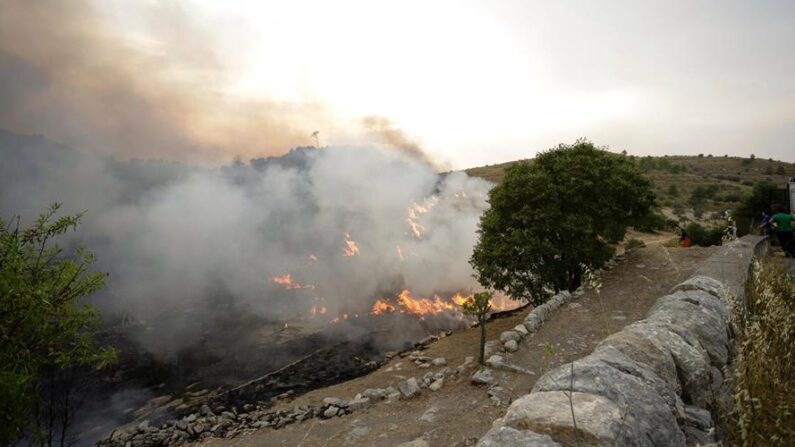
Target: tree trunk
(481, 360)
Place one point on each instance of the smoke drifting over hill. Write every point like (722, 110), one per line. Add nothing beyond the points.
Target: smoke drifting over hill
(186, 245)
(157, 90)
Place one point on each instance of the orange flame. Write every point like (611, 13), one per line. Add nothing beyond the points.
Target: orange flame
(287, 281)
(405, 303)
(350, 249)
(380, 307)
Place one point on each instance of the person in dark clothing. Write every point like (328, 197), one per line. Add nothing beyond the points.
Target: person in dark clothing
(782, 221)
(684, 239)
(765, 226)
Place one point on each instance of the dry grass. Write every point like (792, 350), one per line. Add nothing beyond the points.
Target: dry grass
(764, 376)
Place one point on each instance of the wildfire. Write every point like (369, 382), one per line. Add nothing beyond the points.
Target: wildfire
(415, 210)
(405, 303)
(350, 248)
(380, 307)
(287, 281)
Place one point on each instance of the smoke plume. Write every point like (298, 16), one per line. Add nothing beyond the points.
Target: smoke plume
(331, 229)
(154, 89)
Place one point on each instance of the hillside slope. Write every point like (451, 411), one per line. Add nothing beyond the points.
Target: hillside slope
(725, 179)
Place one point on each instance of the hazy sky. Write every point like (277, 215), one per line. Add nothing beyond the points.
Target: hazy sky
(469, 82)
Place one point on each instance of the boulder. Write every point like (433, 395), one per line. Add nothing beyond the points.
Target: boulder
(359, 404)
(510, 437)
(331, 412)
(691, 360)
(698, 418)
(532, 322)
(498, 362)
(483, 376)
(599, 420)
(499, 394)
(708, 327)
(646, 349)
(703, 283)
(409, 388)
(334, 401)
(374, 394)
(650, 416)
(521, 330)
(713, 305)
(510, 335)
(436, 385)
(624, 364)
(439, 361)
(511, 346)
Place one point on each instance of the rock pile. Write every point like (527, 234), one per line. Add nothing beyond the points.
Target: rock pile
(220, 421)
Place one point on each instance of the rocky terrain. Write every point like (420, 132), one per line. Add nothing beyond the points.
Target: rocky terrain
(437, 394)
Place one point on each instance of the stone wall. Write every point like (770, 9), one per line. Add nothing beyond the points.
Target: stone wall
(654, 383)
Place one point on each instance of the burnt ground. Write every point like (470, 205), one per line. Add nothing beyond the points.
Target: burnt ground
(460, 413)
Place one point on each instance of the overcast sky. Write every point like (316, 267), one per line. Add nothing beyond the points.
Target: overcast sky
(468, 82)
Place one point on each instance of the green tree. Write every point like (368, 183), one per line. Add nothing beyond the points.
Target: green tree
(479, 305)
(550, 220)
(748, 213)
(43, 324)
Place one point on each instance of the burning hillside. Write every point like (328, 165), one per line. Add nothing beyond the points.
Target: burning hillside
(330, 234)
(222, 275)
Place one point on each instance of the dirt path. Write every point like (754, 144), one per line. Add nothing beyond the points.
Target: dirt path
(460, 413)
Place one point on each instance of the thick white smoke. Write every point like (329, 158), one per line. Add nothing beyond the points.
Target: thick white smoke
(184, 245)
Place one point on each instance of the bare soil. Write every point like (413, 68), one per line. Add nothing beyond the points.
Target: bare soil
(460, 413)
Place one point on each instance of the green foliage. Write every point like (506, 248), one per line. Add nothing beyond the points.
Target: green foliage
(780, 170)
(749, 212)
(479, 305)
(43, 325)
(764, 376)
(704, 236)
(652, 222)
(701, 194)
(551, 219)
(673, 191)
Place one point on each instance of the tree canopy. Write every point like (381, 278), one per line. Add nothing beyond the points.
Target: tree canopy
(43, 324)
(554, 217)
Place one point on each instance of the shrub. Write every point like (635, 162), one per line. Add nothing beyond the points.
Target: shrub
(633, 244)
(45, 326)
(704, 236)
(652, 222)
